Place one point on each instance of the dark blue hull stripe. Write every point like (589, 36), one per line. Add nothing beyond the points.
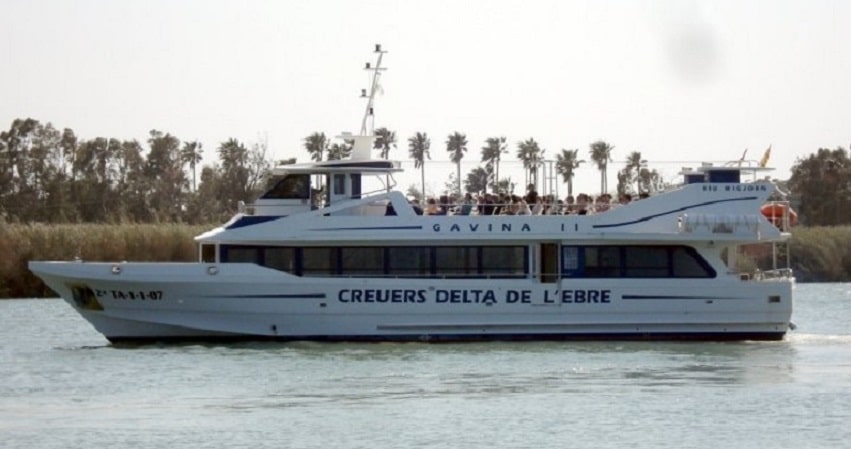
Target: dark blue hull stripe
(301, 296)
(675, 297)
(681, 209)
(372, 228)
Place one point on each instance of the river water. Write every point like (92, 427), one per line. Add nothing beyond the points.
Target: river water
(65, 386)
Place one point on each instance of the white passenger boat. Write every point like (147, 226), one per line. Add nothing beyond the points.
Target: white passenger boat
(355, 265)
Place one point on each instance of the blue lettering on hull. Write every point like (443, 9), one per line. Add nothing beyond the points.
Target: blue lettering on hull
(486, 297)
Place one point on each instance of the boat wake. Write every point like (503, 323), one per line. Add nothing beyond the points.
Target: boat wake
(837, 339)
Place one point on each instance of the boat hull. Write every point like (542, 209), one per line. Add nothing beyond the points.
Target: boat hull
(136, 302)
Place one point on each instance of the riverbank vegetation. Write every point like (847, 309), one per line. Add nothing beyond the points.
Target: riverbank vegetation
(63, 197)
(20, 243)
(50, 175)
(818, 254)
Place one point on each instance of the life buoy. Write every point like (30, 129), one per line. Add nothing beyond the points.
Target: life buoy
(775, 212)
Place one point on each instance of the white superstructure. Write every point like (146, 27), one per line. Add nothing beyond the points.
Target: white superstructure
(346, 264)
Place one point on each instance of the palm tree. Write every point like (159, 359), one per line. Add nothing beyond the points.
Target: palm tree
(316, 144)
(418, 146)
(338, 151)
(456, 145)
(566, 163)
(492, 152)
(633, 165)
(477, 180)
(601, 154)
(532, 156)
(191, 154)
(384, 141)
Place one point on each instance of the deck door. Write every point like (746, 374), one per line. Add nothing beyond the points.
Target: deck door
(548, 263)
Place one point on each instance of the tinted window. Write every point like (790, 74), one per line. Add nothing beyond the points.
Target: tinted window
(319, 261)
(455, 261)
(603, 261)
(404, 261)
(504, 260)
(688, 264)
(646, 261)
(362, 261)
(243, 254)
(280, 258)
(634, 261)
(290, 187)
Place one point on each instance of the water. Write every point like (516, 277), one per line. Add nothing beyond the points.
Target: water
(63, 386)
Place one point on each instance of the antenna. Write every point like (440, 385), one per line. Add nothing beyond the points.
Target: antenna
(376, 73)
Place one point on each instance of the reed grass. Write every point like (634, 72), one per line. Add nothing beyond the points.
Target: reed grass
(821, 253)
(21, 243)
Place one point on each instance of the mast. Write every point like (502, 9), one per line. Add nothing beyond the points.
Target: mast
(376, 73)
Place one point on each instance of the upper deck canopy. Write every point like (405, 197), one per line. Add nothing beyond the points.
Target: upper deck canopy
(372, 166)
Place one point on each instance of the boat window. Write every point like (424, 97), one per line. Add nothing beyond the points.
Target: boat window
(646, 261)
(504, 260)
(241, 254)
(290, 187)
(570, 260)
(602, 261)
(634, 261)
(408, 261)
(732, 176)
(356, 185)
(688, 264)
(339, 184)
(208, 253)
(394, 261)
(455, 261)
(319, 261)
(279, 258)
(362, 261)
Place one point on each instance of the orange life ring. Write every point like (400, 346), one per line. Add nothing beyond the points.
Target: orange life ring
(775, 212)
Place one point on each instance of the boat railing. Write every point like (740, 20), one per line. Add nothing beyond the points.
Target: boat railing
(776, 274)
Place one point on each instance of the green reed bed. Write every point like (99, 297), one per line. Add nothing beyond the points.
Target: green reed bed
(821, 253)
(20, 243)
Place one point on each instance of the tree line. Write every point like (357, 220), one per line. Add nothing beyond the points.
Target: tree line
(52, 176)
(634, 178)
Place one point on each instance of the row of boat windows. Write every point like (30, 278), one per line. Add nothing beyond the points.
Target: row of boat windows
(609, 261)
(640, 261)
(400, 261)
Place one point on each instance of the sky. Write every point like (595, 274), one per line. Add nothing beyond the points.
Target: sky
(680, 81)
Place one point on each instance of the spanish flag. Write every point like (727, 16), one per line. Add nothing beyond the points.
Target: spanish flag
(764, 161)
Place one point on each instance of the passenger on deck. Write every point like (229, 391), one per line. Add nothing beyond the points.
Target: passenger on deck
(431, 207)
(603, 203)
(531, 194)
(569, 205)
(466, 205)
(501, 206)
(582, 203)
(488, 207)
(389, 210)
(443, 207)
(523, 207)
(540, 206)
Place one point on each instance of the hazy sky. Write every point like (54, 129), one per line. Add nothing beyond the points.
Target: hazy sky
(676, 80)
